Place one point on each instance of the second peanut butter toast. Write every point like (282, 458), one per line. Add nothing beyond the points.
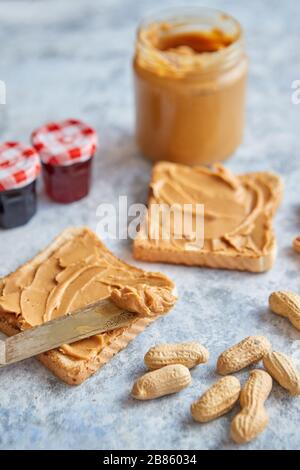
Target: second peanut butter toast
(237, 222)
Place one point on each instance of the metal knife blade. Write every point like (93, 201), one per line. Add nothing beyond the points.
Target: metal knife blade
(94, 319)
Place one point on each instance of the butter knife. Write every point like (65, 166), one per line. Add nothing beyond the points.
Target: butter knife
(96, 318)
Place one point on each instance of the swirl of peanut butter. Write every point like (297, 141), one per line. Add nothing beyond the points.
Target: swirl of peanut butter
(79, 272)
(237, 209)
(145, 300)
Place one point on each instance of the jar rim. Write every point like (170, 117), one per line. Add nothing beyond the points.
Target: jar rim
(222, 58)
(178, 11)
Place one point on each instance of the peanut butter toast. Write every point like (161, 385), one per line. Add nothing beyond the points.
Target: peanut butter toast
(75, 270)
(237, 218)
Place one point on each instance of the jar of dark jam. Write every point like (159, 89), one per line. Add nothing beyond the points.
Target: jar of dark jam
(19, 169)
(66, 149)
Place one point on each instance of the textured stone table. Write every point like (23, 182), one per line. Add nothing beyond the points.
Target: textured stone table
(63, 59)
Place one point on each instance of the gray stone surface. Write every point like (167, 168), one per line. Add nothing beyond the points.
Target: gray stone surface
(62, 59)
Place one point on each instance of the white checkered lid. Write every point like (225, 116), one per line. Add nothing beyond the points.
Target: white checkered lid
(66, 142)
(19, 165)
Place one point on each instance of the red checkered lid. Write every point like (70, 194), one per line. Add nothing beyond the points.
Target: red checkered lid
(19, 165)
(66, 142)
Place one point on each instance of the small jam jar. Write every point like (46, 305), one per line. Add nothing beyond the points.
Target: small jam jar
(190, 71)
(19, 169)
(66, 149)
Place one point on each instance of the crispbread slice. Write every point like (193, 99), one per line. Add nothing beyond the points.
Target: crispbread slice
(147, 249)
(70, 370)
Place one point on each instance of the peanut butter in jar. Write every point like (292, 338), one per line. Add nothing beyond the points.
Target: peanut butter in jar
(190, 71)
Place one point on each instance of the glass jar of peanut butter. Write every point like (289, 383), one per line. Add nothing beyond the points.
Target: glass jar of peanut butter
(190, 71)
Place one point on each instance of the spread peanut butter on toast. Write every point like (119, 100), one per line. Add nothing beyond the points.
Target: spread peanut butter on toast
(74, 271)
(237, 218)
